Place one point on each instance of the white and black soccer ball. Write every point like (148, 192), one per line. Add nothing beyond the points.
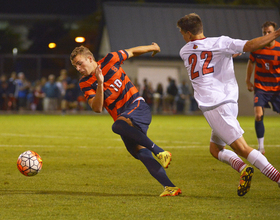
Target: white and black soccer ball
(29, 163)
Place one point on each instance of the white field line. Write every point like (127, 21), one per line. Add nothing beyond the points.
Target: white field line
(50, 136)
(183, 144)
(115, 147)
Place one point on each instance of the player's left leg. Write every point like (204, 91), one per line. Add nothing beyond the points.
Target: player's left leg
(154, 168)
(158, 172)
(259, 127)
(227, 156)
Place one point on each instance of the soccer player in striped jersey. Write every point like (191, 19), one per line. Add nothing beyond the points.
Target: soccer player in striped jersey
(209, 63)
(105, 84)
(267, 80)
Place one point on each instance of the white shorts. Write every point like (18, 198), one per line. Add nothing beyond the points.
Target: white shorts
(223, 121)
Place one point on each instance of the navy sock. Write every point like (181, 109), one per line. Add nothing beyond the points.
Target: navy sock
(259, 127)
(124, 129)
(155, 169)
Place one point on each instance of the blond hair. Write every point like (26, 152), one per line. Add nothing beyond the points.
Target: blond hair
(81, 50)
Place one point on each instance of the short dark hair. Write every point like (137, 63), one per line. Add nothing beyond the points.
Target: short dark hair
(81, 50)
(269, 23)
(191, 23)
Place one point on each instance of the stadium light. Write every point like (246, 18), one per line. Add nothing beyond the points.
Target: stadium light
(15, 51)
(80, 39)
(52, 45)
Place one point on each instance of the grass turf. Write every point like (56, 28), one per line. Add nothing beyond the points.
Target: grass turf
(88, 174)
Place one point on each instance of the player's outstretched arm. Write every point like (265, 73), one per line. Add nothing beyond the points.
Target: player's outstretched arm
(137, 51)
(260, 42)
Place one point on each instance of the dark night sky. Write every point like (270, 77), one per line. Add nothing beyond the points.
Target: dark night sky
(63, 7)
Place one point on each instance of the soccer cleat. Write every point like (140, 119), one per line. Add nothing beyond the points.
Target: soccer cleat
(164, 158)
(245, 180)
(171, 191)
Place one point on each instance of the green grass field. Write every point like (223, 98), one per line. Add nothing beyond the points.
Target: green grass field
(88, 174)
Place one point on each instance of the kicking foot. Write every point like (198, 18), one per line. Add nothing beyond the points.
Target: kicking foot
(164, 158)
(245, 180)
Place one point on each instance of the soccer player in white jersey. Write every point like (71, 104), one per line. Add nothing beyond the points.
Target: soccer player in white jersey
(209, 63)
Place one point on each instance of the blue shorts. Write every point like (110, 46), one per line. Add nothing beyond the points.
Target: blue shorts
(140, 115)
(263, 100)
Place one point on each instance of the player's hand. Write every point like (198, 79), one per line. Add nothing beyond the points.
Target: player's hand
(156, 50)
(250, 86)
(99, 75)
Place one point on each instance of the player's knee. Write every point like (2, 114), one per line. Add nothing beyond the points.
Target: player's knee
(119, 127)
(116, 127)
(259, 117)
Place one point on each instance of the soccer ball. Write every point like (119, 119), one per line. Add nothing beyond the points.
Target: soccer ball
(29, 163)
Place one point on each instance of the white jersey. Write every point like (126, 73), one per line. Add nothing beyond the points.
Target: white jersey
(210, 67)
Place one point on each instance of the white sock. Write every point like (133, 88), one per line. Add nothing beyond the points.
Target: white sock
(261, 144)
(256, 158)
(231, 158)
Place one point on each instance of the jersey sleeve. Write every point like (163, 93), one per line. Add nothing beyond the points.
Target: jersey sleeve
(233, 46)
(123, 55)
(252, 57)
(236, 46)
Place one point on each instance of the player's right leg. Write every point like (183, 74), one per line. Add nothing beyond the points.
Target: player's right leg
(231, 158)
(133, 124)
(122, 128)
(256, 158)
(259, 127)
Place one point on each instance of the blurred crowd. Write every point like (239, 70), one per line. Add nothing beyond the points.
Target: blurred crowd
(174, 99)
(62, 93)
(49, 94)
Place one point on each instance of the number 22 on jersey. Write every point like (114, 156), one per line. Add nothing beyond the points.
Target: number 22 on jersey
(207, 57)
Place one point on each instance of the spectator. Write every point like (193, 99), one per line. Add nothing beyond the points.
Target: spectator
(172, 91)
(22, 88)
(194, 105)
(147, 93)
(70, 86)
(38, 96)
(158, 99)
(51, 91)
(60, 79)
(3, 92)
(183, 98)
(11, 100)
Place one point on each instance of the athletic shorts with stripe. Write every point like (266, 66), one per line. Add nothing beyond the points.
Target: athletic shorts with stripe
(263, 100)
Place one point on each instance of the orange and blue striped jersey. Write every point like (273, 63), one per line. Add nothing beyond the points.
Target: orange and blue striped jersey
(119, 91)
(267, 68)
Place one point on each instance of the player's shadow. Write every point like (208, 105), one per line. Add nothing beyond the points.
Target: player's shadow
(97, 194)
